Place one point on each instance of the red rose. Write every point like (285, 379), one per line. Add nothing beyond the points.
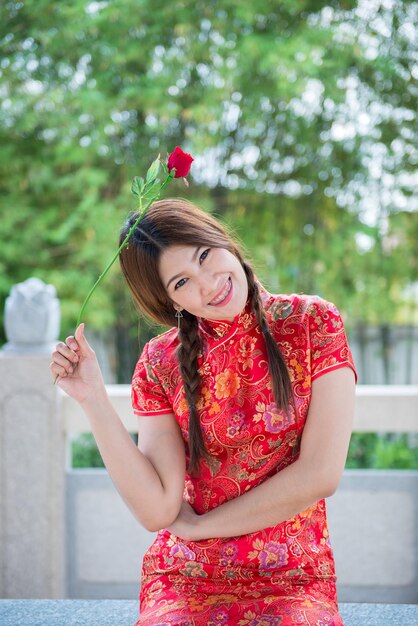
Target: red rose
(180, 161)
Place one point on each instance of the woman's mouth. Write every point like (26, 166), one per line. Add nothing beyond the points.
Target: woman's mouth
(223, 296)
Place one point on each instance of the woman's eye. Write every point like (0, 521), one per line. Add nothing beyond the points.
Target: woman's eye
(180, 283)
(204, 255)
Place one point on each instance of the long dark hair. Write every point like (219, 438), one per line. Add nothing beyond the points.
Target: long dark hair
(177, 222)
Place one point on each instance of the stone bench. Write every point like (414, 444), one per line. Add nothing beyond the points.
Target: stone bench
(124, 613)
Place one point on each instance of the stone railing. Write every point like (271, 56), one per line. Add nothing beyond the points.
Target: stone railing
(66, 533)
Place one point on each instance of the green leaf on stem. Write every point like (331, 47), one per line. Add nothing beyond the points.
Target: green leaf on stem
(137, 186)
(151, 190)
(153, 170)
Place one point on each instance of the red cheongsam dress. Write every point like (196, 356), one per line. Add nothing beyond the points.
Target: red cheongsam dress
(278, 576)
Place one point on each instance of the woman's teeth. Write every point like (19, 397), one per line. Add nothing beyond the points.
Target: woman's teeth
(225, 291)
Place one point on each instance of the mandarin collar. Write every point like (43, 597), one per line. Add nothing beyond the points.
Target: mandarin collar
(219, 329)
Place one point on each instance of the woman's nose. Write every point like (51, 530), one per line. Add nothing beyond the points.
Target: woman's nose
(207, 284)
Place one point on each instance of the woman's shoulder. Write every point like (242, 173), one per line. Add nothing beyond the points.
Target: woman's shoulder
(282, 306)
(162, 347)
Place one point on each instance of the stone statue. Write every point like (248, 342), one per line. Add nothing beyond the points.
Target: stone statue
(31, 318)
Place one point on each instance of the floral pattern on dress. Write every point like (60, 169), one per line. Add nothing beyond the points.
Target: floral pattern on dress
(283, 575)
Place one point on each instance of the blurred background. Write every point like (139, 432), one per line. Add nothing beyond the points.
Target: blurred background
(301, 119)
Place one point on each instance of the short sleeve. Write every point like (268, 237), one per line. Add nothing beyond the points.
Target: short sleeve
(148, 396)
(329, 347)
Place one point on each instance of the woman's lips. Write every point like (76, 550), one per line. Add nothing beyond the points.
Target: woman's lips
(224, 296)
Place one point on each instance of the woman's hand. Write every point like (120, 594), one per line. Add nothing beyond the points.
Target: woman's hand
(75, 369)
(186, 524)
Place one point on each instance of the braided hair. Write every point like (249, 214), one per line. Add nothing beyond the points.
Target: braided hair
(178, 222)
(282, 388)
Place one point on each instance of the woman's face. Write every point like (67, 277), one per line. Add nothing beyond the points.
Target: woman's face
(207, 282)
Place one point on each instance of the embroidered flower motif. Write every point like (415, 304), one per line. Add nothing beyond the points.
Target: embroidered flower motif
(281, 310)
(155, 591)
(235, 422)
(274, 555)
(205, 398)
(227, 384)
(150, 373)
(183, 406)
(276, 419)
(229, 551)
(244, 351)
(181, 551)
(247, 320)
(194, 570)
(260, 407)
(218, 618)
(295, 549)
(242, 475)
(223, 598)
(296, 368)
(156, 355)
(307, 382)
(221, 329)
(215, 408)
(232, 431)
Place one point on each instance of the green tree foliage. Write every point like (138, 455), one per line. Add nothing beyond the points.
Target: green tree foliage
(300, 116)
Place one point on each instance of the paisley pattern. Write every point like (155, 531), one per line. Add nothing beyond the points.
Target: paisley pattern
(283, 575)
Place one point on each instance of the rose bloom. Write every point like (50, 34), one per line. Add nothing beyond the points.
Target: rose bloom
(180, 161)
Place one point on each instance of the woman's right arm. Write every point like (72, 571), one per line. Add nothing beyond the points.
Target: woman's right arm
(150, 477)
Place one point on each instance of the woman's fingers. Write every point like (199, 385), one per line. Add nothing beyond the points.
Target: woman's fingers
(70, 353)
(68, 350)
(59, 371)
(64, 358)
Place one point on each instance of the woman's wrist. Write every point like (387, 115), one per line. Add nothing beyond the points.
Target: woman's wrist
(96, 401)
(198, 528)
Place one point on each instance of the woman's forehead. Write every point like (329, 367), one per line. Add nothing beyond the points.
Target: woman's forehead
(176, 255)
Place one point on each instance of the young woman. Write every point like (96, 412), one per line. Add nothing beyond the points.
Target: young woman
(245, 409)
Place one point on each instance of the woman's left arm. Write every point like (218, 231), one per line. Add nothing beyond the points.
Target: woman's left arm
(313, 476)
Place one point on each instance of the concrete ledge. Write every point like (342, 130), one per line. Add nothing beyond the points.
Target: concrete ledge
(125, 612)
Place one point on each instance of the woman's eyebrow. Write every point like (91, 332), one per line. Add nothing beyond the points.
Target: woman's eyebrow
(193, 259)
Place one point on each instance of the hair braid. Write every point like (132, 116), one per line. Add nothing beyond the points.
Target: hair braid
(282, 387)
(188, 352)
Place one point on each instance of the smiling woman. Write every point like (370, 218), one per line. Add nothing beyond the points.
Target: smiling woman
(245, 407)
